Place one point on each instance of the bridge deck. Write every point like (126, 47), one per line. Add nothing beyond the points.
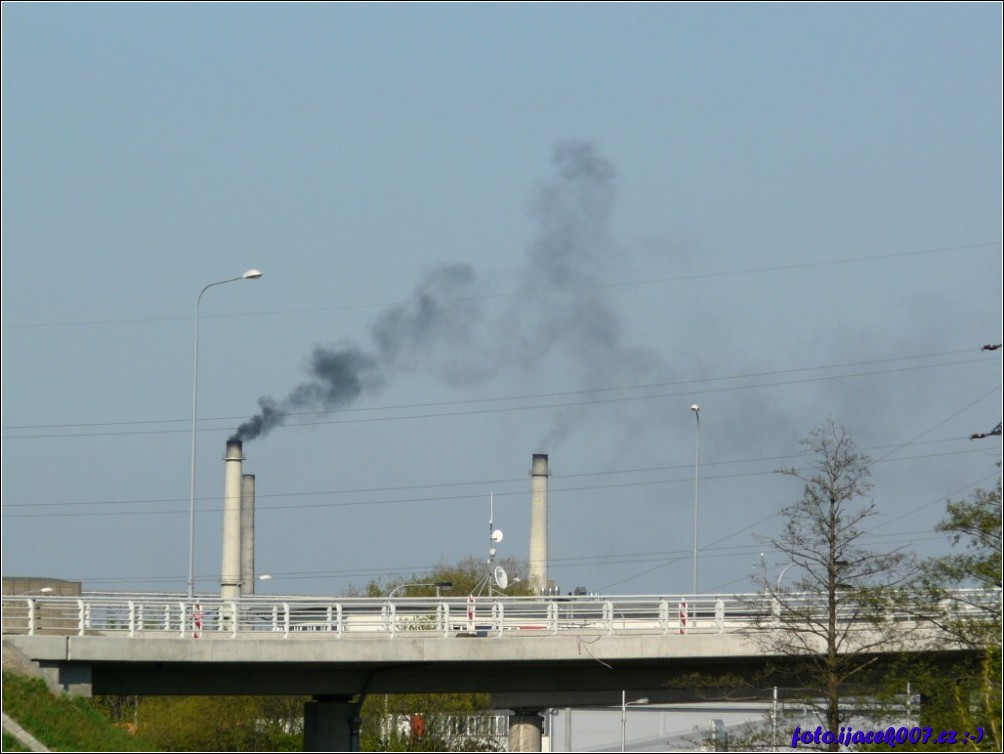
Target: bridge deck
(161, 644)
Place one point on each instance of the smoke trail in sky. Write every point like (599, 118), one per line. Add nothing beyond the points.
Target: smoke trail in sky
(439, 309)
(572, 254)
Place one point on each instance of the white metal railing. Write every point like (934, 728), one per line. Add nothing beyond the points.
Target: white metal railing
(174, 616)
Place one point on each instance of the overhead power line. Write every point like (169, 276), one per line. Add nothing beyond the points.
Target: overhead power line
(660, 558)
(339, 417)
(368, 501)
(541, 291)
(995, 432)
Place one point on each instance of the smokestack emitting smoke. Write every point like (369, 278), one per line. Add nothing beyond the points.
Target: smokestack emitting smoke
(230, 572)
(443, 325)
(247, 534)
(538, 523)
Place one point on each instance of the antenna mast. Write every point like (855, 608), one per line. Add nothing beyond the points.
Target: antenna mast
(494, 574)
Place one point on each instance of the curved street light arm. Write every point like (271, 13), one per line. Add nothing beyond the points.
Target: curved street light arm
(251, 274)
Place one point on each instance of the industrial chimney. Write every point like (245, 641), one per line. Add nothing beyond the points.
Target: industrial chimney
(230, 573)
(538, 523)
(247, 534)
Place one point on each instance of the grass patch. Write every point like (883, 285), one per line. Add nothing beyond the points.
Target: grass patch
(62, 723)
(12, 744)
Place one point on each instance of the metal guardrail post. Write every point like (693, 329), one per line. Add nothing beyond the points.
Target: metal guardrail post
(608, 616)
(388, 616)
(498, 618)
(81, 615)
(339, 621)
(132, 618)
(720, 615)
(31, 616)
(285, 620)
(552, 616)
(234, 620)
(445, 610)
(664, 616)
(183, 616)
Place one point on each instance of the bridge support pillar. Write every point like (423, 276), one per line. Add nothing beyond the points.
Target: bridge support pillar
(330, 724)
(64, 677)
(526, 729)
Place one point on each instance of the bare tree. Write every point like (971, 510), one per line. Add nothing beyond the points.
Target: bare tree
(826, 612)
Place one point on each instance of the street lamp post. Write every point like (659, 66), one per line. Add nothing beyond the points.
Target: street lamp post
(781, 575)
(697, 465)
(263, 577)
(775, 601)
(45, 590)
(438, 584)
(624, 705)
(249, 275)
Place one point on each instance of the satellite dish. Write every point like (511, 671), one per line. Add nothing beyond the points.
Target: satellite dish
(496, 536)
(501, 577)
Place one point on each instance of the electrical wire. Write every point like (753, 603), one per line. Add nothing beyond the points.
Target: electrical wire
(412, 500)
(537, 292)
(533, 407)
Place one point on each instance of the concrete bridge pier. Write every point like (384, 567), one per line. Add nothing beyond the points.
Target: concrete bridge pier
(330, 723)
(526, 730)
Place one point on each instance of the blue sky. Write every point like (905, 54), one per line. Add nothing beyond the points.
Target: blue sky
(784, 213)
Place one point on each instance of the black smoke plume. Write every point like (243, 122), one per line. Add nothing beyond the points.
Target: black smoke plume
(561, 313)
(438, 312)
(337, 377)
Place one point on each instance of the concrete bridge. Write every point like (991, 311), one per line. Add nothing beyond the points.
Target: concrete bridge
(530, 653)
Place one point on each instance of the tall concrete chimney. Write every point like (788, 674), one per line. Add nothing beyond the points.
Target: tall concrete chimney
(247, 534)
(538, 523)
(230, 573)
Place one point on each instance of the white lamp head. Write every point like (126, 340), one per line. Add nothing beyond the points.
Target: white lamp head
(695, 408)
(252, 274)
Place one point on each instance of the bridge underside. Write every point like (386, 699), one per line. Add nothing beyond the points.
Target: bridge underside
(524, 672)
(531, 684)
(667, 679)
(525, 675)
